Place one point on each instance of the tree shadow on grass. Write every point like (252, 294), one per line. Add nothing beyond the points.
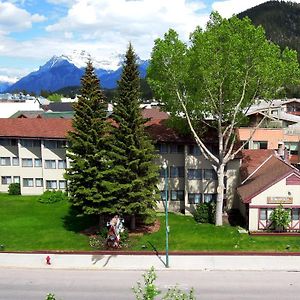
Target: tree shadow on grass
(76, 222)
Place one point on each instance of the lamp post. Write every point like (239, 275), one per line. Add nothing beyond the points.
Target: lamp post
(165, 167)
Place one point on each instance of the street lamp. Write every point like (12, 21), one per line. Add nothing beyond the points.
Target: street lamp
(165, 167)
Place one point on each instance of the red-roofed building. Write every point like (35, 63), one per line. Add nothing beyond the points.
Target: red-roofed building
(32, 152)
(269, 184)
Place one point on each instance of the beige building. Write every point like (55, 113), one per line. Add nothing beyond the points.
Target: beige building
(33, 153)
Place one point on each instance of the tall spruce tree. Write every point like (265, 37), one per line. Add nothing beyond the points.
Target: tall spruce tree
(136, 172)
(89, 183)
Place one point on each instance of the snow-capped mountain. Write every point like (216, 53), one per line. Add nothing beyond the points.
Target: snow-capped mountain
(67, 69)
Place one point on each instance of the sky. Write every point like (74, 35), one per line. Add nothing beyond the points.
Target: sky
(32, 31)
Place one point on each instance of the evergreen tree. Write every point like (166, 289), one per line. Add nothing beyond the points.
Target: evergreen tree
(135, 171)
(89, 175)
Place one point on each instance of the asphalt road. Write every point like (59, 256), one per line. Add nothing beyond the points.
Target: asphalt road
(34, 284)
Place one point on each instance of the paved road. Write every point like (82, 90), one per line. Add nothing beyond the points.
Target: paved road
(34, 284)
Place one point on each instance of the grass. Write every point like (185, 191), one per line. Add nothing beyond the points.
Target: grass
(26, 225)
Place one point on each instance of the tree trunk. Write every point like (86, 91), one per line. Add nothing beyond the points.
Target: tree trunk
(220, 195)
(132, 222)
(101, 221)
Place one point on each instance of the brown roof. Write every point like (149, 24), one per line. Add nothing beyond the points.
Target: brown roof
(35, 128)
(252, 159)
(269, 172)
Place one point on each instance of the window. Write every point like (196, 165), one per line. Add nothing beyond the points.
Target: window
(162, 148)
(295, 214)
(177, 195)
(208, 198)
(53, 144)
(39, 182)
(246, 146)
(194, 174)
(51, 184)
(162, 172)
(194, 150)
(210, 174)
(176, 172)
(175, 148)
(27, 162)
(194, 198)
(62, 184)
(163, 195)
(8, 142)
(15, 161)
(28, 182)
(62, 164)
(30, 143)
(265, 213)
(37, 162)
(260, 145)
(292, 147)
(16, 179)
(50, 164)
(5, 161)
(5, 179)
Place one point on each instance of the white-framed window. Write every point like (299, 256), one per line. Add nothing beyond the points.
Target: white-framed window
(195, 174)
(39, 182)
(27, 162)
(62, 184)
(5, 161)
(16, 179)
(38, 162)
(5, 180)
(27, 182)
(62, 164)
(208, 198)
(176, 172)
(260, 145)
(194, 198)
(177, 195)
(50, 164)
(15, 161)
(210, 174)
(51, 184)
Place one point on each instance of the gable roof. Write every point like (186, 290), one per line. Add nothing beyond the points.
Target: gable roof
(267, 174)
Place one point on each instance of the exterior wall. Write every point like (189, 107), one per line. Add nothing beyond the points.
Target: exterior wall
(270, 135)
(33, 177)
(270, 199)
(201, 188)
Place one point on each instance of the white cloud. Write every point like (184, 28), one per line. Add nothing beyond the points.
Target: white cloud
(229, 7)
(14, 19)
(116, 22)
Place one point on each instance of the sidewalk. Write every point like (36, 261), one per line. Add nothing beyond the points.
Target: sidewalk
(115, 261)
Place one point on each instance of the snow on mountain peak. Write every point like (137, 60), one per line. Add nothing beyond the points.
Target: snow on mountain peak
(79, 58)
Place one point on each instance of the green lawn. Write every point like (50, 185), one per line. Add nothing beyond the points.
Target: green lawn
(26, 224)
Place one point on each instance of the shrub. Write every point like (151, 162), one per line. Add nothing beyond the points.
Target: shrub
(14, 189)
(49, 197)
(205, 213)
(280, 217)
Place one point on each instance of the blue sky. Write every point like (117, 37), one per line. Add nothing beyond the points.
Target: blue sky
(32, 31)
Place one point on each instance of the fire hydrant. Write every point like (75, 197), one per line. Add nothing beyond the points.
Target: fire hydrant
(48, 260)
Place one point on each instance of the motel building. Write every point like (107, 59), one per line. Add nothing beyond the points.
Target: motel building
(273, 182)
(33, 153)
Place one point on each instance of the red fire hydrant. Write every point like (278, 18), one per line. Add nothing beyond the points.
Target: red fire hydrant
(48, 260)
